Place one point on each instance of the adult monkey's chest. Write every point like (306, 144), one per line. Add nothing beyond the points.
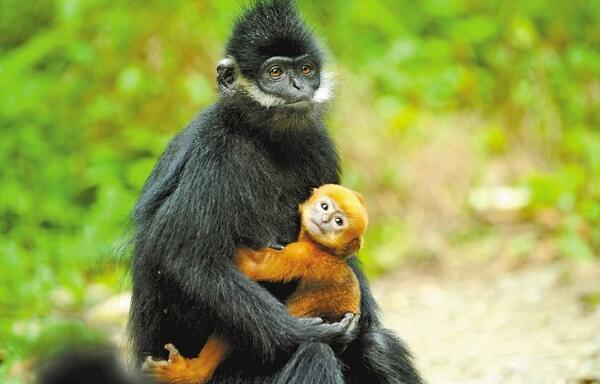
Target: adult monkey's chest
(288, 178)
(286, 193)
(289, 186)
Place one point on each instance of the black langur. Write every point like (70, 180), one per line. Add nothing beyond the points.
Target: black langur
(232, 179)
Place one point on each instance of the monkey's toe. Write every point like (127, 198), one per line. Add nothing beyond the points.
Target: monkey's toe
(150, 364)
(174, 354)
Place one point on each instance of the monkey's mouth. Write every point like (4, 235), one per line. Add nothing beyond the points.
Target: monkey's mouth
(302, 104)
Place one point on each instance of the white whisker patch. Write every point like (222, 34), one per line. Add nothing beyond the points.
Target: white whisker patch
(326, 89)
(259, 96)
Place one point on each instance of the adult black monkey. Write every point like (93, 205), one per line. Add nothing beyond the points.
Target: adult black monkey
(234, 178)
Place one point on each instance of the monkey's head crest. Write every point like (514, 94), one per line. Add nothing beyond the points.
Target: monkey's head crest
(270, 28)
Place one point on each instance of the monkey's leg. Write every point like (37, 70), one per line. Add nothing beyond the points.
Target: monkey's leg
(376, 355)
(312, 363)
(181, 370)
(379, 357)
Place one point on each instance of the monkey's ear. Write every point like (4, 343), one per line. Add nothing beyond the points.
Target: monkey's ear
(360, 198)
(227, 73)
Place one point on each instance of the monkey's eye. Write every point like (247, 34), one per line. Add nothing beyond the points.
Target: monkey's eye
(339, 221)
(275, 72)
(306, 69)
(325, 206)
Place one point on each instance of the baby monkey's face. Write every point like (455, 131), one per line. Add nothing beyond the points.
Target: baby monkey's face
(334, 216)
(324, 217)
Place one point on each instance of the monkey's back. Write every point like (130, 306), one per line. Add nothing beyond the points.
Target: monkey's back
(329, 298)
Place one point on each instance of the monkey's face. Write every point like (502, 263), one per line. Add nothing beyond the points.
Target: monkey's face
(324, 218)
(281, 83)
(335, 217)
(293, 80)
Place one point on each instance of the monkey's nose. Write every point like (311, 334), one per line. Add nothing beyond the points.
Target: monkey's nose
(325, 218)
(297, 85)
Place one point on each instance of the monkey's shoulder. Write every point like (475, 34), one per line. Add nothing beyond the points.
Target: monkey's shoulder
(208, 138)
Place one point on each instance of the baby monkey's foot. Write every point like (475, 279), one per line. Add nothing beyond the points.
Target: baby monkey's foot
(177, 369)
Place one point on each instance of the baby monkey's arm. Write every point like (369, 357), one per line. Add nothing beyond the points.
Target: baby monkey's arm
(302, 259)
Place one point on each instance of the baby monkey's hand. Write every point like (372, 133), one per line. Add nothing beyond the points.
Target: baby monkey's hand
(276, 246)
(252, 262)
(248, 256)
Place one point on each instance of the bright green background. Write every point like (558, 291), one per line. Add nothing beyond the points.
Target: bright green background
(436, 98)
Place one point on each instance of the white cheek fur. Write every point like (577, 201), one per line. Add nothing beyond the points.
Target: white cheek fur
(259, 96)
(326, 89)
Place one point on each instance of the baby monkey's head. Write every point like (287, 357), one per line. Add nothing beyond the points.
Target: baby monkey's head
(335, 217)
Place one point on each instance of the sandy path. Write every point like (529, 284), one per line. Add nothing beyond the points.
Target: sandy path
(535, 325)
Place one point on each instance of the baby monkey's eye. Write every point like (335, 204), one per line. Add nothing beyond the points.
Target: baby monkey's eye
(325, 206)
(339, 221)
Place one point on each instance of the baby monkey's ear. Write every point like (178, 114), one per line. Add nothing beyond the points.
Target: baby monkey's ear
(360, 198)
(352, 247)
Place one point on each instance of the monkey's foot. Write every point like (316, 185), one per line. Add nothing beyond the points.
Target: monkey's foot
(176, 370)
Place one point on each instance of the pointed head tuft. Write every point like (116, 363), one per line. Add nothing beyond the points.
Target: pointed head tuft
(270, 28)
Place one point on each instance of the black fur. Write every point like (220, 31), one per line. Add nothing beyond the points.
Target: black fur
(234, 177)
(86, 366)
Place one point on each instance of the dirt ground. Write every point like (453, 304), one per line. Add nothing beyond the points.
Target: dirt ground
(537, 324)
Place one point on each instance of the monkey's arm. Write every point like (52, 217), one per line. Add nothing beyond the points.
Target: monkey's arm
(301, 259)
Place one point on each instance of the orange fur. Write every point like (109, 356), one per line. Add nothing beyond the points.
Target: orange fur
(181, 370)
(327, 286)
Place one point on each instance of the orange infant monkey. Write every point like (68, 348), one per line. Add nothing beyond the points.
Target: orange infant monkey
(333, 221)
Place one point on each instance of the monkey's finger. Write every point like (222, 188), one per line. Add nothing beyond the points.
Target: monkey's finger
(310, 321)
(334, 329)
(354, 317)
(345, 322)
(353, 325)
(276, 246)
(150, 364)
(173, 352)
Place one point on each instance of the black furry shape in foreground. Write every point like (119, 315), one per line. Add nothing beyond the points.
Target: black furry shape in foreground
(234, 177)
(87, 367)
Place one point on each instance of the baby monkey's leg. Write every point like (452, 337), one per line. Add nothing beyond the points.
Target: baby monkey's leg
(181, 370)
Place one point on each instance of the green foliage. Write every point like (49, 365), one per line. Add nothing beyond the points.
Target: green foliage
(91, 91)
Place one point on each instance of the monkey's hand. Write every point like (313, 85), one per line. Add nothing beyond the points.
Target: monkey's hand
(177, 369)
(249, 260)
(340, 333)
(340, 343)
(276, 246)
